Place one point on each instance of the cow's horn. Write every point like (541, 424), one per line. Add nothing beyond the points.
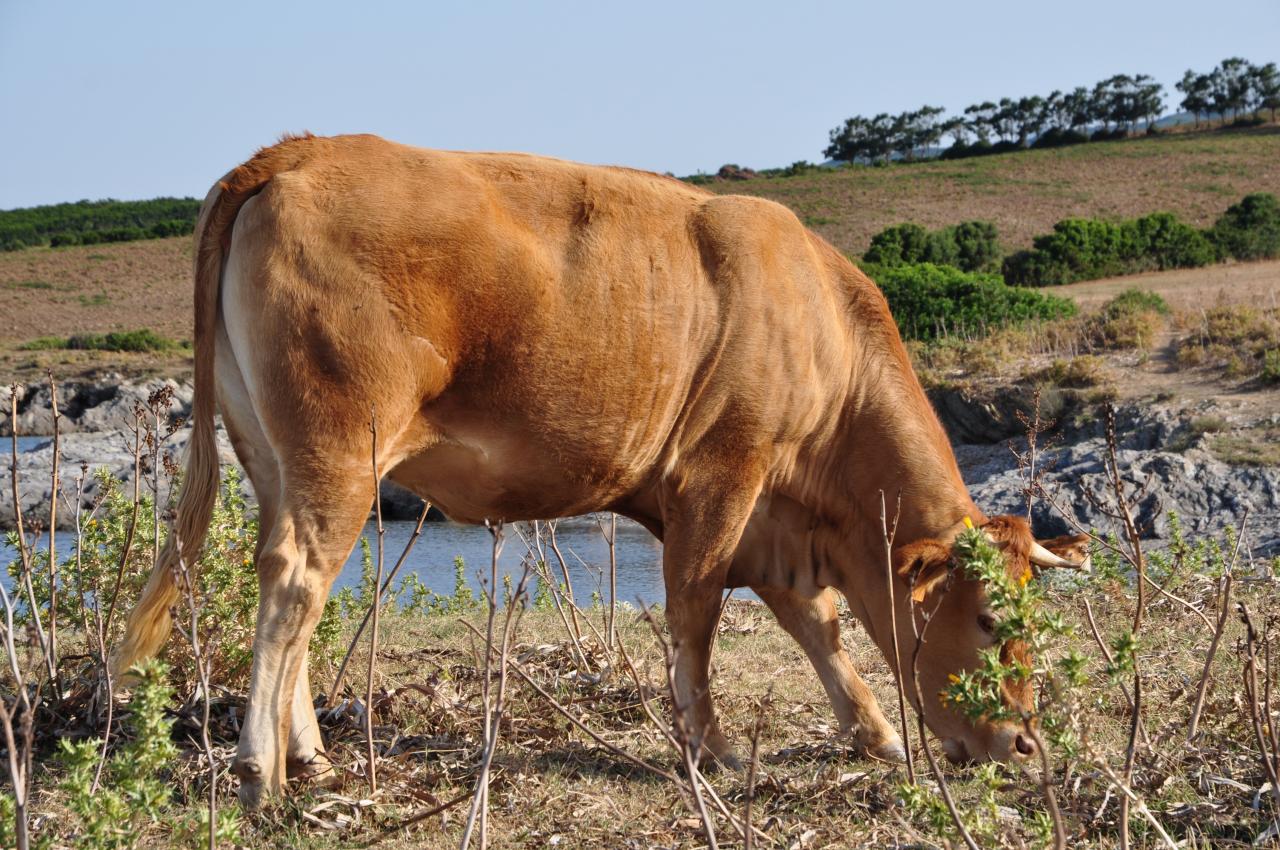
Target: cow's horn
(1042, 557)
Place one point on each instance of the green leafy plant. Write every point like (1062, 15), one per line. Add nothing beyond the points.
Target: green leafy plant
(971, 246)
(135, 792)
(1088, 249)
(929, 301)
(1250, 230)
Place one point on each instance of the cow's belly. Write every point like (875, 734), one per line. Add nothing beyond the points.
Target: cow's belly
(505, 477)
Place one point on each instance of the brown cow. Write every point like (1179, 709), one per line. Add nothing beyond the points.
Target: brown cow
(540, 338)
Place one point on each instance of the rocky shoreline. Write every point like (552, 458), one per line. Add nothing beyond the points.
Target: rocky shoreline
(1160, 454)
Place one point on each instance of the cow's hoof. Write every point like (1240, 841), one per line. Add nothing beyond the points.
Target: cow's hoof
(728, 760)
(890, 751)
(719, 753)
(317, 772)
(254, 790)
(252, 795)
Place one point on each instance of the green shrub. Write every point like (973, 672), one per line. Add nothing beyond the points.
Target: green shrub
(977, 246)
(1167, 243)
(137, 787)
(971, 246)
(1249, 230)
(139, 340)
(1271, 366)
(134, 791)
(226, 579)
(1135, 300)
(44, 343)
(902, 243)
(1088, 249)
(930, 301)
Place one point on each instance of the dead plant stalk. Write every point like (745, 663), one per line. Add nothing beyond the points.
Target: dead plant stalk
(204, 673)
(1224, 608)
(53, 539)
(943, 788)
(888, 534)
(370, 752)
(493, 700)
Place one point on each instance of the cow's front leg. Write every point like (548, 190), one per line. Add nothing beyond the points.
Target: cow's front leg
(815, 624)
(703, 517)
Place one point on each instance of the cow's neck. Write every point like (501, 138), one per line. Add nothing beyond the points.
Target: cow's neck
(888, 440)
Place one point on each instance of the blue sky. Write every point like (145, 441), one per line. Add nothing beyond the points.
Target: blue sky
(138, 99)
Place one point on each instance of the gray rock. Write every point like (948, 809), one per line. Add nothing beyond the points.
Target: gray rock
(113, 451)
(1206, 494)
(92, 406)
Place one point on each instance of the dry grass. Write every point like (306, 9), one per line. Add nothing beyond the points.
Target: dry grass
(550, 780)
(1256, 284)
(1195, 176)
(1233, 339)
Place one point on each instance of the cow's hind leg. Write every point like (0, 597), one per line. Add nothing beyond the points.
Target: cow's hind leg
(314, 529)
(815, 624)
(305, 752)
(703, 519)
(305, 759)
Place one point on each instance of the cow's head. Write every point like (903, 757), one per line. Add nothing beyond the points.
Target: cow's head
(960, 624)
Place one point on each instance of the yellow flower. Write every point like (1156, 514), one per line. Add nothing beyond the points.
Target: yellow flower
(953, 679)
(968, 523)
(1024, 578)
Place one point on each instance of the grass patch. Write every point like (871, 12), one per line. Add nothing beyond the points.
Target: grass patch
(96, 300)
(1234, 339)
(44, 343)
(139, 340)
(1087, 370)
(1257, 447)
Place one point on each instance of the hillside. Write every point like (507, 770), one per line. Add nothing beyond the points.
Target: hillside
(146, 284)
(1195, 175)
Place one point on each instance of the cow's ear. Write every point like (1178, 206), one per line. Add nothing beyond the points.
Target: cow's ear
(926, 566)
(1073, 547)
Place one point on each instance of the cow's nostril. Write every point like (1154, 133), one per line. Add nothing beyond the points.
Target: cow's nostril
(1024, 745)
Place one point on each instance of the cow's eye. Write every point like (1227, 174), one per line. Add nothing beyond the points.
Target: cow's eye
(987, 623)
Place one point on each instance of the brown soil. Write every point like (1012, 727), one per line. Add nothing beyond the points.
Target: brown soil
(94, 289)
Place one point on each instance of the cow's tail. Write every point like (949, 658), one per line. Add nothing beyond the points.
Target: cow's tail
(150, 622)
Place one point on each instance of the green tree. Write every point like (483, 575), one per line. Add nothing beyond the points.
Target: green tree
(1229, 84)
(1250, 230)
(1264, 80)
(982, 119)
(1197, 94)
